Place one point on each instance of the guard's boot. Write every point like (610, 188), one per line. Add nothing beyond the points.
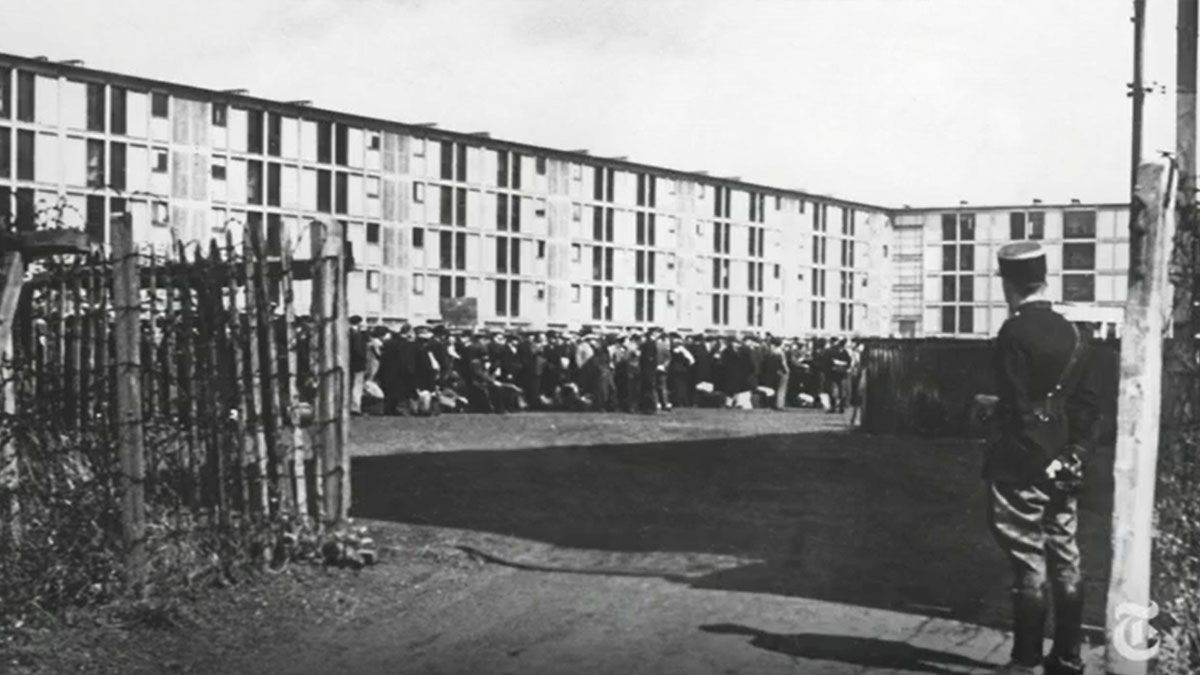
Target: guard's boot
(1029, 626)
(1065, 658)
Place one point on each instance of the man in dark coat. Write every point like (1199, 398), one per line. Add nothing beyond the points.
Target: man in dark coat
(679, 372)
(648, 370)
(397, 372)
(837, 374)
(1046, 415)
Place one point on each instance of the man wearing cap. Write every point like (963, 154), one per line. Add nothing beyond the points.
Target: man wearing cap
(1032, 474)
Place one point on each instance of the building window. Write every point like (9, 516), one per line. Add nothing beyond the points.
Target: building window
(373, 233)
(949, 314)
(160, 161)
(1079, 288)
(966, 320)
(419, 284)
(501, 287)
(446, 250)
(1079, 225)
(220, 115)
(540, 165)
(324, 142)
(373, 281)
(1079, 256)
(117, 117)
(949, 257)
(95, 164)
(273, 184)
(274, 132)
(254, 131)
(1016, 226)
(218, 169)
(324, 191)
(460, 251)
(159, 105)
(5, 160)
(160, 214)
(254, 183)
(501, 211)
(95, 107)
(502, 255)
(418, 237)
(1037, 225)
(447, 154)
(541, 250)
(341, 145)
(501, 168)
(446, 204)
(5, 98)
(418, 192)
(26, 96)
(949, 227)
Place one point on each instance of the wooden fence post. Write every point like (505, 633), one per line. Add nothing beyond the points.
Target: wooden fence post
(327, 256)
(290, 386)
(342, 368)
(12, 272)
(127, 305)
(1139, 408)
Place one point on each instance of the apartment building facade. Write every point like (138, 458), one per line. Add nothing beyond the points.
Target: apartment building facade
(538, 237)
(531, 237)
(945, 266)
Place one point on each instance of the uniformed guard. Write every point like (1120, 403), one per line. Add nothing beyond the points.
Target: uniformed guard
(1045, 417)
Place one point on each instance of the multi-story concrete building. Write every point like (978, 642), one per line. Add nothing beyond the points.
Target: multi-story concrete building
(538, 237)
(945, 264)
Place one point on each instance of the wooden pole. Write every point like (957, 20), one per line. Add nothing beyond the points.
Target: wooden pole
(296, 455)
(329, 398)
(1137, 89)
(253, 386)
(316, 364)
(12, 273)
(341, 341)
(1139, 407)
(129, 402)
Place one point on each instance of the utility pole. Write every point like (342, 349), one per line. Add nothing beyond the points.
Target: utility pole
(1137, 90)
(1139, 407)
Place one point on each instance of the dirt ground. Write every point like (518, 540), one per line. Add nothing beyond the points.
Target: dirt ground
(695, 541)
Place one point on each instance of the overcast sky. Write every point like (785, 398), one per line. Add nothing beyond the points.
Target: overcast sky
(885, 101)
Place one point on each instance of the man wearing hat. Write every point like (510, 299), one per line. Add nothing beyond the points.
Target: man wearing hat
(1033, 468)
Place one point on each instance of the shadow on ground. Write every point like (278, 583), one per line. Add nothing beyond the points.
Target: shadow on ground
(887, 522)
(866, 652)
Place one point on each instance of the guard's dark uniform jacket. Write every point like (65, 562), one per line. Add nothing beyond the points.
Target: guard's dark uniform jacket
(1031, 352)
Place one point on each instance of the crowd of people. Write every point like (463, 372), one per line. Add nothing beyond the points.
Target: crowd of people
(426, 370)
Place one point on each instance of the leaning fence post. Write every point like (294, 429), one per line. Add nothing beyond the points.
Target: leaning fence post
(127, 305)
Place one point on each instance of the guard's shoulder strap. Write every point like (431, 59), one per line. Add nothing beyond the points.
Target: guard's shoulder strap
(1069, 369)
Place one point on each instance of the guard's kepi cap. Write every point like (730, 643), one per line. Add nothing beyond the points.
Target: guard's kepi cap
(1023, 262)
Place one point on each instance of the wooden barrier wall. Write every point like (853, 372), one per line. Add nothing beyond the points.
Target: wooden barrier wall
(222, 403)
